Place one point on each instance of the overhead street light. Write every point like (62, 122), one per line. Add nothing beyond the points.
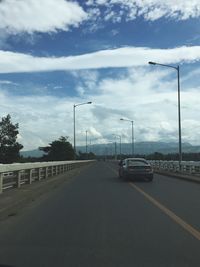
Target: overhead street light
(152, 63)
(177, 68)
(132, 147)
(74, 113)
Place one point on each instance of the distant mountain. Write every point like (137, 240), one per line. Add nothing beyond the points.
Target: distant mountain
(140, 148)
(32, 153)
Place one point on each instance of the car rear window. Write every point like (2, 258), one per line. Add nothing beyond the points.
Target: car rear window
(137, 163)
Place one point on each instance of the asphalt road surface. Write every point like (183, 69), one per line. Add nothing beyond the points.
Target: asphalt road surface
(98, 220)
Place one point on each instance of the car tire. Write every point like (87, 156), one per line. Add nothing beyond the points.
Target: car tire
(150, 179)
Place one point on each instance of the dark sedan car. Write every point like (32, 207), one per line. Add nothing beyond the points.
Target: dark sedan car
(135, 168)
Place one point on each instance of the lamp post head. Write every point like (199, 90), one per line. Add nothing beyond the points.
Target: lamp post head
(152, 63)
(121, 119)
(80, 104)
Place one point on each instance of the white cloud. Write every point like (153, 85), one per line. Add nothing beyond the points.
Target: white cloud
(3, 40)
(153, 111)
(30, 16)
(151, 9)
(38, 123)
(7, 82)
(86, 79)
(139, 95)
(94, 133)
(11, 62)
(39, 16)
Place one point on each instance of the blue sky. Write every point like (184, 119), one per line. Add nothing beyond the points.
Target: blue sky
(54, 53)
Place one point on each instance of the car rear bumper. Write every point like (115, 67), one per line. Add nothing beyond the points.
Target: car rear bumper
(139, 175)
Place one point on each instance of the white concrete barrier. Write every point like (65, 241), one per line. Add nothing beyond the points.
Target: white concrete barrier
(187, 167)
(16, 174)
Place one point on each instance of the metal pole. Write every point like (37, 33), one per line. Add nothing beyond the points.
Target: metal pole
(74, 107)
(86, 143)
(179, 118)
(120, 147)
(132, 140)
(179, 107)
(90, 146)
(115, 150)
(111, 151)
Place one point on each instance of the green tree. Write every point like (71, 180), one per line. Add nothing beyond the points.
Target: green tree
(86, 156)
(59, 149)
(9, 147)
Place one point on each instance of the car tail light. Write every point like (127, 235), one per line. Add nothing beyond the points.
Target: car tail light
(148, 168)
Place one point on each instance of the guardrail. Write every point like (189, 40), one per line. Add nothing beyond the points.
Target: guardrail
(187, 167)
(17, 174)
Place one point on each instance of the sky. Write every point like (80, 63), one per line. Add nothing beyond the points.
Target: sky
(57, 53)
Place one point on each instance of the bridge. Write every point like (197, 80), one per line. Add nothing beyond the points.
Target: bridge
(89, 217)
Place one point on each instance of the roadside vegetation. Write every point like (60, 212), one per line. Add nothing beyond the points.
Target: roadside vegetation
(62, 150)
(9, 147)
(57, 150)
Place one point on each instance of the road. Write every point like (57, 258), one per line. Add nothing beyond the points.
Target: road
(98, 220)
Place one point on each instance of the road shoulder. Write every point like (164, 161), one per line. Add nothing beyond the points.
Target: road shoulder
(180, 176)
(13, 201)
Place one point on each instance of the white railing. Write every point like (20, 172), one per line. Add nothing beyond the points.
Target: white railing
(187, 167)
(17, 174)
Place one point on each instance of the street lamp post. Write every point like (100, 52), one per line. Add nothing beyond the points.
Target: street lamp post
(120, 144)
(115, 146)
(113, 153)
(74, 113)
(132, 147)
(177, 68)
(90, 146)
(86, 145)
